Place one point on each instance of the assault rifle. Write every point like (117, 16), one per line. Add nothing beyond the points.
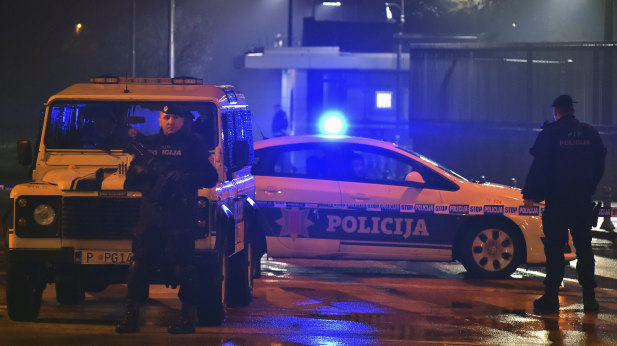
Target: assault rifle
(166, 180)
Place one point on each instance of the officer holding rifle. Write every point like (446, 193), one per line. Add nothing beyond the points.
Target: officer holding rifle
(168, 169)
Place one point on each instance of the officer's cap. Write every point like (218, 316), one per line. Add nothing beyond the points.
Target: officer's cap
(563, 101)
(173, 109)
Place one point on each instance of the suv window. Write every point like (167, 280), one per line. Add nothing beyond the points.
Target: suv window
(112, 124)
(237, 139)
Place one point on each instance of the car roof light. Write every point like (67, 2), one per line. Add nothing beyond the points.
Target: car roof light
(333, 123)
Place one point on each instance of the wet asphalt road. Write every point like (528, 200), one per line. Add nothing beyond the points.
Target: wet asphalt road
(330, 302)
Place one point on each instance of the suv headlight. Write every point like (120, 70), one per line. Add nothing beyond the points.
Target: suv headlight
(44, 214)
(37, 216)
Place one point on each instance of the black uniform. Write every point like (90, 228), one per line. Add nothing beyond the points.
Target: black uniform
(279, 123)
(168, 171)
(567, 167)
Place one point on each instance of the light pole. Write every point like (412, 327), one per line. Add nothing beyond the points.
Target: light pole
(133, 14)
(399, 52)
(172, 44)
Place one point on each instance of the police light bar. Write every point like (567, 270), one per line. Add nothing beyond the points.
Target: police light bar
(147, 80)
(187, 81)
(105, 80)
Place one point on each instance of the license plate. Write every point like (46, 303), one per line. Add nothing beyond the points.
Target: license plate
(103, 257)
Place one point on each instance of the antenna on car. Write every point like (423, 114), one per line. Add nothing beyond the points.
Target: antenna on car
(126, 83)
(254, 122)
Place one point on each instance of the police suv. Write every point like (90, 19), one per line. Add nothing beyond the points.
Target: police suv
(72, 225)
(350, 197)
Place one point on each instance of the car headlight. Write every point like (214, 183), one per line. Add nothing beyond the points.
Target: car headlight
(44, 214)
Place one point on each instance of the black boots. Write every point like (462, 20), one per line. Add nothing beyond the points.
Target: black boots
(130, 321)
(548, 303)
(590, 304)
(186, 323)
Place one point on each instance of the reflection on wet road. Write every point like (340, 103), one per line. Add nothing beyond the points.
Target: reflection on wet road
(331, 302)
(424, 302)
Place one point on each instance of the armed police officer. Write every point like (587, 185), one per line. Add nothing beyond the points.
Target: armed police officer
(568, 163)
(168, 169)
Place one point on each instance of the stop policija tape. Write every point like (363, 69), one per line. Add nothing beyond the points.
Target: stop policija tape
(451, 209)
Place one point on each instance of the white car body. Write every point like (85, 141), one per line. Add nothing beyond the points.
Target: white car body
(408, 219)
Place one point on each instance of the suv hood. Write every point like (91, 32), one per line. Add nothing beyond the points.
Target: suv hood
(87, 178)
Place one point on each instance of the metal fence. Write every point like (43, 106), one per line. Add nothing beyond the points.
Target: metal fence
(511, 83)
(477, 108)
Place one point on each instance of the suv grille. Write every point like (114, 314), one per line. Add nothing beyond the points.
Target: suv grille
(99, 217)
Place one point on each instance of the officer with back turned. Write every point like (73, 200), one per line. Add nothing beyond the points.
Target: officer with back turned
(567, 166)
(168, 169)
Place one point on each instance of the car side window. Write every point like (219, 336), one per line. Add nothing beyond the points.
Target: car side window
(379, 166)
(365, 164)
(309, 161)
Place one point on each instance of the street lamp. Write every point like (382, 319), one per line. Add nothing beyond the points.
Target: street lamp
(401, 9)
(399, 52)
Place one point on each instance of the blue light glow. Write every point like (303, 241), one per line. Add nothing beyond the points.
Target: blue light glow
(333, 123)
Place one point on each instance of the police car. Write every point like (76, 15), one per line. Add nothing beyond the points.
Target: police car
(349, 197)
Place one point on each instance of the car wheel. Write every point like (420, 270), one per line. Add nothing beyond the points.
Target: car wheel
(491, 251)
(240, 288)
(212, 287)
(24, 291)
(69, 291)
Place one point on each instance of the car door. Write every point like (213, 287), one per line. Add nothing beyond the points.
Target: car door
(393, 199)
(293, 182)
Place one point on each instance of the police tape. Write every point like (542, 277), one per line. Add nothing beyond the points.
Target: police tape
(451, 209)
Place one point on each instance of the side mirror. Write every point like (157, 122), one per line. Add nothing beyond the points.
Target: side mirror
(24, 152)
(414, 177)
(240, 154)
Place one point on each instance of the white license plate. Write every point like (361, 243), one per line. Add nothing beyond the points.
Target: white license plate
(103, 257)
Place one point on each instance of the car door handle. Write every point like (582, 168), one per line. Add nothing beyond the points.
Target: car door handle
(360, 197)
(272, 190)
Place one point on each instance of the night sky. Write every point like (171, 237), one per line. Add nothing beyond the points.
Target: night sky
(42, 53)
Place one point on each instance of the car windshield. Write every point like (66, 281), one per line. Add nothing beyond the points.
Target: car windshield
(113, 124)
(432, 162)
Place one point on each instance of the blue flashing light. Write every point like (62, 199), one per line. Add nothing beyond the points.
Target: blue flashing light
(333, 123)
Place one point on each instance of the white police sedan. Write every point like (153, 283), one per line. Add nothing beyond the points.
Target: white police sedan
(350, 197)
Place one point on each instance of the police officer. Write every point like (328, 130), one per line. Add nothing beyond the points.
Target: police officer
(168, 170)
(279, 122)
(567, 166)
